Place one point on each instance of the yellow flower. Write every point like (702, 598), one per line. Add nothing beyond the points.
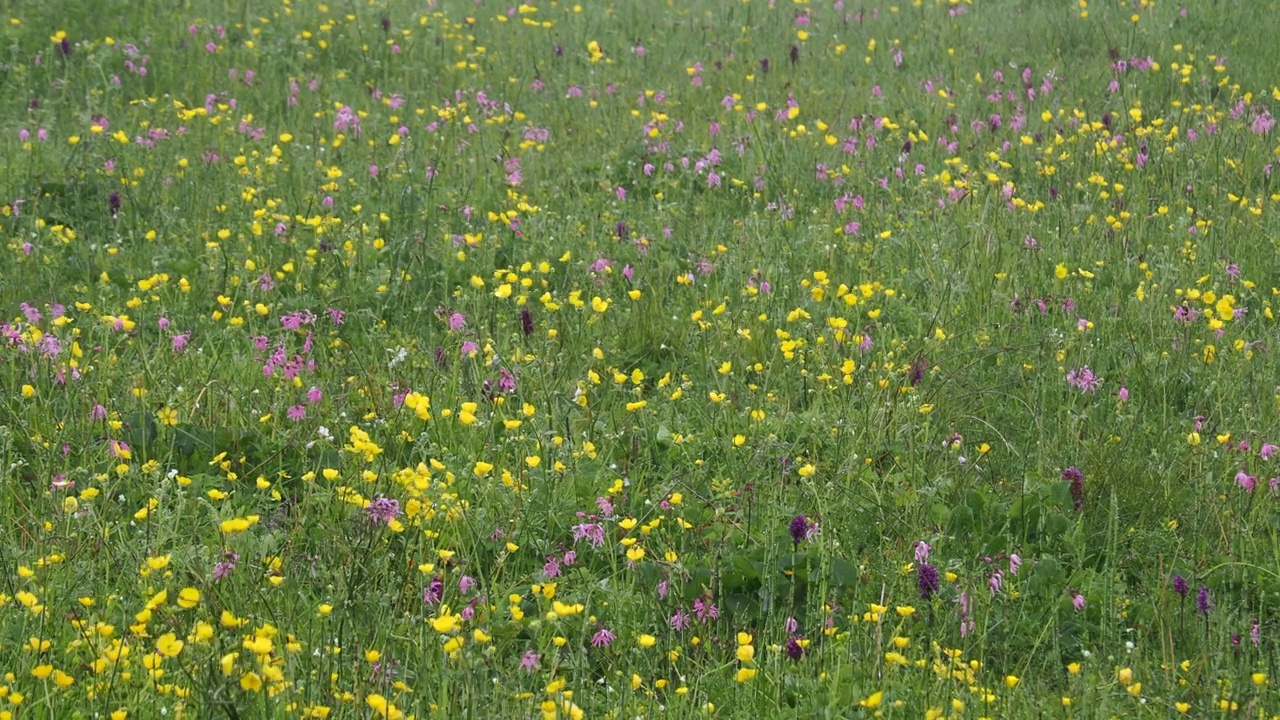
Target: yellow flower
(188, 598)
(565, 609)
(647, 641)
(251, 682)
(28, 391)
(167, 416)
(873, 700)
(744, 674)
(445, 622)
(169, 645)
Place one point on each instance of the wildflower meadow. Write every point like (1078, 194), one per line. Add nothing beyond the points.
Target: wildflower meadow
(639, 358)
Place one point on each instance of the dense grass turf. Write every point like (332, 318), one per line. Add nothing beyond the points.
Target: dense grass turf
(706, 358)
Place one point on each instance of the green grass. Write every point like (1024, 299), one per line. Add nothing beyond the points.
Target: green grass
(458, 361)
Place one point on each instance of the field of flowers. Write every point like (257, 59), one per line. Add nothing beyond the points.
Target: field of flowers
(701, 358)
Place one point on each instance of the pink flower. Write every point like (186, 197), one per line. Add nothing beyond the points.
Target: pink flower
(680, 620)
(1084, 379)
(591, 532)
(602, 638)
(996, 581)
(529, 662)
(922, 551)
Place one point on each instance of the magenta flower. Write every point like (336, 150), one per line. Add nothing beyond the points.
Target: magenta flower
(680, 620)
(602, 638)
(434, 591)
(799, 529)
(224, 567)
(382, 510)
(927, 581)
(967, 623)
(1203, 604)
(1084, 379)
(592, 532)
(922, 551)
(605, 506)
(529, 662)
(705, 610)
(794, 649)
